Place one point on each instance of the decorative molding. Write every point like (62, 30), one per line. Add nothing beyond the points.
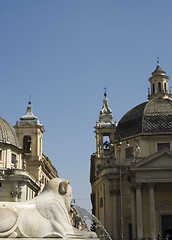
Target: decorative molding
(114, 190)
(128, 218)
(16, 192)
(165, 205)
(138, 185)
(24, 164)
(133, 189)
(151, 185)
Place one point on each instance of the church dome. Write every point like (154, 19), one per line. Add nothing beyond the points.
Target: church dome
(154, 116)
(7, 133)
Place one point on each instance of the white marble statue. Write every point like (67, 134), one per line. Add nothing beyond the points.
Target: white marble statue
(44, 216)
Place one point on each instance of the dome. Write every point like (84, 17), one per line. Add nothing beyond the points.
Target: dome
(7, 133)
(154, 116)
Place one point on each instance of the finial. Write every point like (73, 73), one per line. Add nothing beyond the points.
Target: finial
(157, 61)
(29, 100)
(105, 94)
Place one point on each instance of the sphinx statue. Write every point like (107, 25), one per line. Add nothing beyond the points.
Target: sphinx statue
(45, 216)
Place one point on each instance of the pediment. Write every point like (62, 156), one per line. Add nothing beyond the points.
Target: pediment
(159, 160)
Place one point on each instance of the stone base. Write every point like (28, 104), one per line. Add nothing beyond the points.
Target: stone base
(49, 238)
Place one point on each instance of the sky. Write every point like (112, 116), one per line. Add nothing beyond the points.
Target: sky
(64, 53)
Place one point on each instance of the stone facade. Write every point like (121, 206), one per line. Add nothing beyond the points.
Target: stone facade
(24, 170)
(131, 170)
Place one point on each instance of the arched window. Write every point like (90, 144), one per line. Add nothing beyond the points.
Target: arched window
(159, 87)
(106, 142)
(27, 144)
(153, 88)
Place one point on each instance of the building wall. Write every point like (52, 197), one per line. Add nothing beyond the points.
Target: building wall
(5, 191)
(24, 172)
(144, 189)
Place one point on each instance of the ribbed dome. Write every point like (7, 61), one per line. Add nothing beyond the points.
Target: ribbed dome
(154, 116)
(7, 133)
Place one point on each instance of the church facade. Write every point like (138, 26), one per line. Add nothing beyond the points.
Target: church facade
(131, 170)
(24, 170)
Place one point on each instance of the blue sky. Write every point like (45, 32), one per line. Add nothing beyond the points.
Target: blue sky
(63, 53)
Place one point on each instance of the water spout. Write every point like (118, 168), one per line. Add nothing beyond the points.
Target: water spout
(92, 223)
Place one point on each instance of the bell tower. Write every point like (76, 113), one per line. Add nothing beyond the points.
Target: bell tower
(104, 157)
(104, 129)
(30, 133)
(103, 165)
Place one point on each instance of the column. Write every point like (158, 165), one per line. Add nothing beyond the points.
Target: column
(115, 193)
(133, 211)
(37, 143)
(152, 211)
(8, 158)
(97, 200)
(139, 212)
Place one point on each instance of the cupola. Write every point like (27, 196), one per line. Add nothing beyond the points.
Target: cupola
(159, 84)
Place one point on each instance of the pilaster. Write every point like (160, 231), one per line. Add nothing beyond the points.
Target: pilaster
(139, 211)
(152, 210)
(115, 196)
(133, 211)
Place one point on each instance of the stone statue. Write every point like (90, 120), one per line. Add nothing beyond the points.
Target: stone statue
(44, 216)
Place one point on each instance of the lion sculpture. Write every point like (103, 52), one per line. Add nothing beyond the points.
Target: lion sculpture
(42, 217)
